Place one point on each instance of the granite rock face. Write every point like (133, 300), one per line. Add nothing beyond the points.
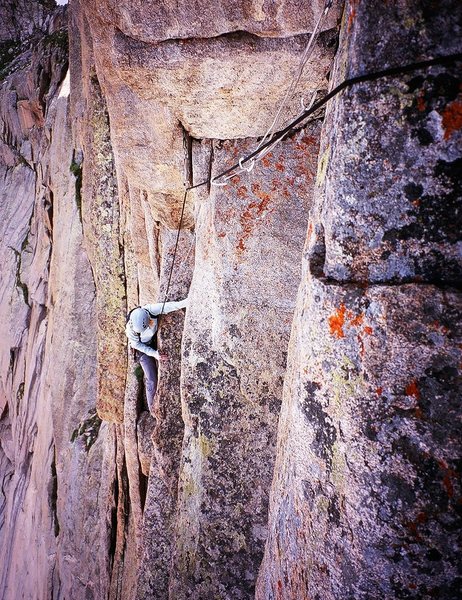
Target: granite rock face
(157, 108)
(153, 22)
(304, 440)
(55, 476)
(239, 300)
(367, 480)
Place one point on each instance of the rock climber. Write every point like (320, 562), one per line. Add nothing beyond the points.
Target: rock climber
(141, 331)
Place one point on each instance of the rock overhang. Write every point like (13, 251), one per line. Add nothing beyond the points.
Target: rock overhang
(154, 22)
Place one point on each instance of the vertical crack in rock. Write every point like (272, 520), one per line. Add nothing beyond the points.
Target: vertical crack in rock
(53, 494)
(237, 298)
(101, 219)
(120, 523)
(187, 146)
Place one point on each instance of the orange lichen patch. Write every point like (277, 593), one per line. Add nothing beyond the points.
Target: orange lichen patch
(279, 166)
(357, 321)
(452, 118)
(265, 161)
(421, 106)
(346, 317)
(448, 477)
(254, 212)
(310, 140)
(418, 414)
(275, 184)
(264, 197)
(352, 15)
(242, 191)
(412, 389)
(221, 235)
(379, 391)
(310, 228)
(437, 326)
(337, 322)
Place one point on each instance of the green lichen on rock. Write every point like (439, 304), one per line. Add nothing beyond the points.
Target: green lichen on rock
(20, 393)
(346, 382)
(138, 372)
(88, 429)
(205, 446)
(19, 283)
(76, 170)
(57, 39)
(9, 51)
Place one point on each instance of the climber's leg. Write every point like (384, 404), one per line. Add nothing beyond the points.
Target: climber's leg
(149, 366)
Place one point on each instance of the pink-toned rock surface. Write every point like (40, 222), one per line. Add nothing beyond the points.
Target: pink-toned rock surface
(234, 350)
(154, 22)
(174, 504)
(57, 466)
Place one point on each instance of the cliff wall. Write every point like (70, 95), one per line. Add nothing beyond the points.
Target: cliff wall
(304, 440)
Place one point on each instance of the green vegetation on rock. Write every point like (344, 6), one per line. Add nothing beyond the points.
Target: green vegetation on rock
(57, 39)
(9, 51)
(88, 429)
(76, 170)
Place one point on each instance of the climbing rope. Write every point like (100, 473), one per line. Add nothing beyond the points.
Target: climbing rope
(347, 83)
(277, 137)
(289, 94)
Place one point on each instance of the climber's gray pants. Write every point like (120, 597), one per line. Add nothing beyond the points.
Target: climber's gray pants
(149, 366)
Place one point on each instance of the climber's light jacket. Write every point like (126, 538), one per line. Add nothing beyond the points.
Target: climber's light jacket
(141, 341)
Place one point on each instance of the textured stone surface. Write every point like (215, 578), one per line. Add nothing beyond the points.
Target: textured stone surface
(410, 230)
(399, 137)
(366, 483)
(160, 94)
(365, 496)
(93, 163)
(161, 498)
(56, 470)
(239, 301)
(22, 18)
(154, 22)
